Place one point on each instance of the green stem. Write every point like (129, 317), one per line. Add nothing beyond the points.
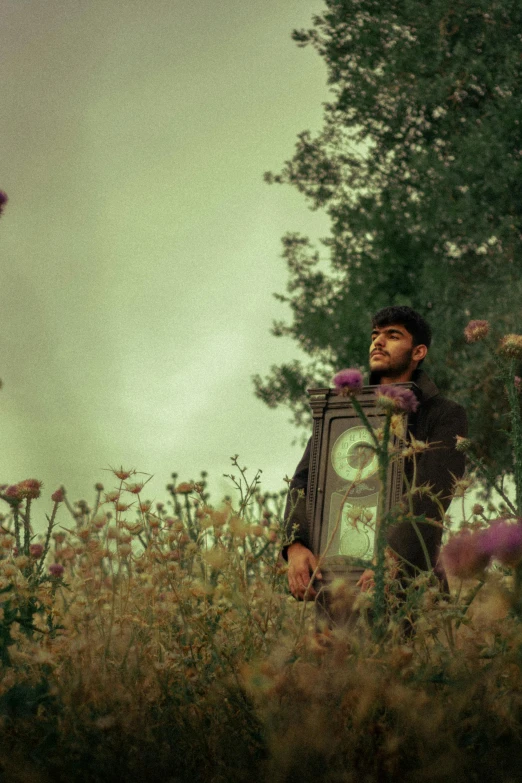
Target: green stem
(469, 600)
(27, 527)
(423, 544)
(380, 533)
(364, 418)
(17, 530)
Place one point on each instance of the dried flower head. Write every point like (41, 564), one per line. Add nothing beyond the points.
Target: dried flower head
(396, 399)
(185, 488)
(462, 444)
(122, 474)
(464, 555)
(503, 541)
(29, 488)
(461, 486)
(476, 330)
(511, 346)
(348, 382)
(134, 488)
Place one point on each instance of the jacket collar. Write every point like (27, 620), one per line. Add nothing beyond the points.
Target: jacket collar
(427, 387)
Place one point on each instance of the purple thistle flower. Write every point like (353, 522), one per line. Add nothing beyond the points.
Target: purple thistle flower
(12, 492)
(503, 541)
(475, 331)
(465, 555)
(397, 399)
(30, 488)
(36, 550)
(3, 200)
(56, 570)
(348, 381)
(58, 495)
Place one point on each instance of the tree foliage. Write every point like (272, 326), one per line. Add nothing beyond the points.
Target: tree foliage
(419, 168)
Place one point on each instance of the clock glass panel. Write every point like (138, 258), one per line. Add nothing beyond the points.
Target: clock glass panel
(348, 528)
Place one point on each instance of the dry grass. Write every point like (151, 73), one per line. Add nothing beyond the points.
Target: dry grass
(170, 650)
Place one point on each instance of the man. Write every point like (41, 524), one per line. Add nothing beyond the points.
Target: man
(400, 340)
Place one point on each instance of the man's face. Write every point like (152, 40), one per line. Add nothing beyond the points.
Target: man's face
(392, 352)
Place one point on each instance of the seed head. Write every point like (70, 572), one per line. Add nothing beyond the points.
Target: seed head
(134, 488)
(461, 486)
(462, 444)
(511, 346)
(475, 331)
(122, 474)
(185, 488)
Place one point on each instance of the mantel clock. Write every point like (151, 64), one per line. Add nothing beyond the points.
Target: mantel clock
(344, 464)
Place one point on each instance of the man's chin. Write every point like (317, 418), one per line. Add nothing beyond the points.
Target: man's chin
(378, 366)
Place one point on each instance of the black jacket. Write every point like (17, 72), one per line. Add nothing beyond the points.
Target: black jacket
(437, 421)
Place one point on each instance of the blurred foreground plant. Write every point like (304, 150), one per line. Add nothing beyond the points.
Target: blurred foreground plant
(497, 539)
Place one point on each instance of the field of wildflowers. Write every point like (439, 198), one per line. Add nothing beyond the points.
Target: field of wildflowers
(161, 643)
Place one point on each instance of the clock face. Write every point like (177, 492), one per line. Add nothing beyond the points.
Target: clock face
(353, 456)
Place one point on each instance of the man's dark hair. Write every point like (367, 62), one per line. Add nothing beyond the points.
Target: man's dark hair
(401, 315)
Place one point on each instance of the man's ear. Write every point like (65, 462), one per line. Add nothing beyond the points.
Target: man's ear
(419, 352)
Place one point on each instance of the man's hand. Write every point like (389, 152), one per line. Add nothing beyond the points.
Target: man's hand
(301, 565)
(367, 578)
(366, 581)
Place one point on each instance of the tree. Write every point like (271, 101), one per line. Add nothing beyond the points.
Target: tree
(419, 168)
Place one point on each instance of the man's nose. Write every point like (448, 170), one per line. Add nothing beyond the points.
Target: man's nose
(379, 341)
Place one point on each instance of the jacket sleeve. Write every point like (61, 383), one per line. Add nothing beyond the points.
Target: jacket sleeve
(295, 522)
(437, 468)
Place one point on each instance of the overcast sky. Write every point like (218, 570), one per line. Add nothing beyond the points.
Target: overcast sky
(140, 247)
